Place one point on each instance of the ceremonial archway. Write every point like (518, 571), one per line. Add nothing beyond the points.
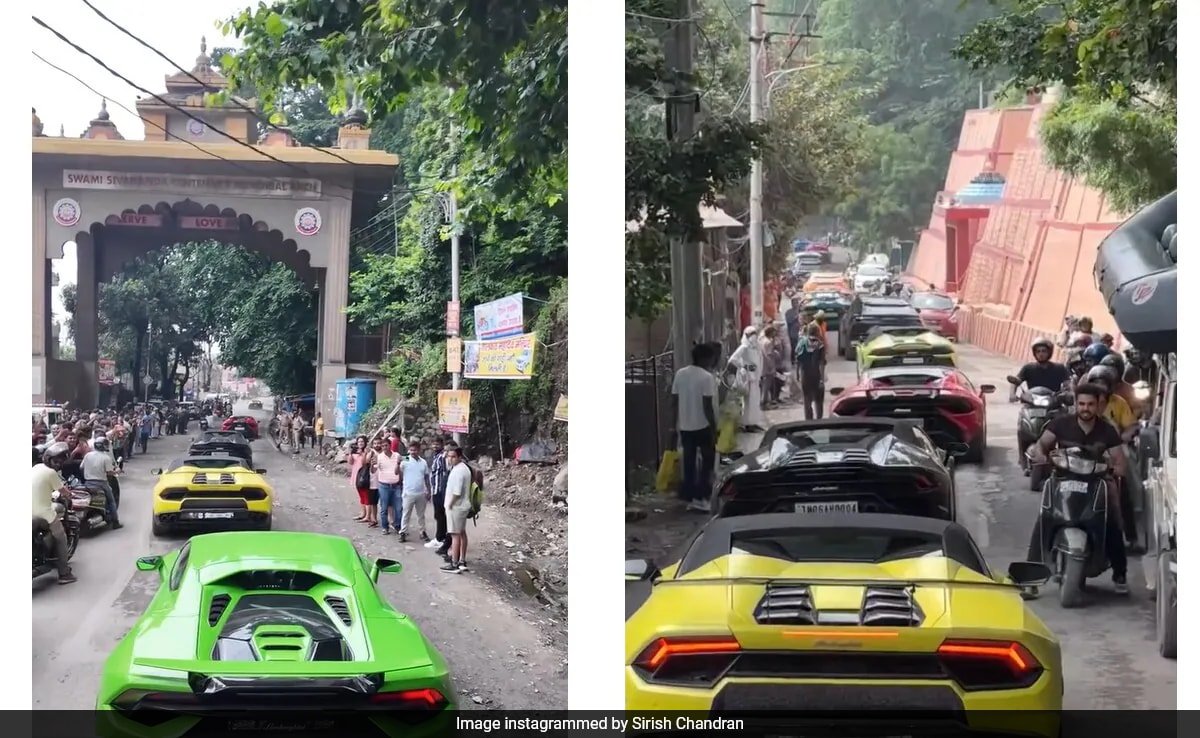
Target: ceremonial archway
(118, 199)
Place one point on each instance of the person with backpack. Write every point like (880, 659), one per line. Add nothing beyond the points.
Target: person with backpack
(460, 489)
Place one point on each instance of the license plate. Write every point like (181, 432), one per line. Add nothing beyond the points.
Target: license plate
(829, 457)
(916, 360)
(239, 427)
(1037, 412)
(213, 516)
(1072, 486)
(827, 507)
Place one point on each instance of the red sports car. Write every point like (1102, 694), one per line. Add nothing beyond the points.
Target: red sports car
(952, 407)
(243, 424)
(937, 311)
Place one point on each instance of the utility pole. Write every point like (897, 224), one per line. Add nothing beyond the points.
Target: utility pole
(757, 40)
(452, 216)
(687, 319)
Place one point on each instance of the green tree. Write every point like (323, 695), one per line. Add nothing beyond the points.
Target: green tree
(69, 294)
(1116, 124)
(919, 94)
(281, 356)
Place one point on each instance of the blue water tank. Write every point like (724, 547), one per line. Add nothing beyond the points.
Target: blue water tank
(354, 398)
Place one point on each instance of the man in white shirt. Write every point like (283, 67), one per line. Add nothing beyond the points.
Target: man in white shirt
(458, 509)
(415, 491)
(47, 481)
(98, 466)
(694, 397)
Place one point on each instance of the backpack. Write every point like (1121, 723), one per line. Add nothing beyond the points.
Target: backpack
(476, 495)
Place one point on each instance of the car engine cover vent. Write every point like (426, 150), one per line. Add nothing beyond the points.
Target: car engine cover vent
(892, 606)
(787, 605)
(339, 607)
(216, 608)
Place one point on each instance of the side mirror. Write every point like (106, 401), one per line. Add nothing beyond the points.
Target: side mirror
(1012, 380)
(956, 449)
(391, 566)
(156, 472)
(1028, 573)
(149, 563)
(987, 389)
(260, 471)
(641, 570)
(835, 391)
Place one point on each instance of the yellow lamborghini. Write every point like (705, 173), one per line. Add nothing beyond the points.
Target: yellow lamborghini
(903, 346)
(207, 492)
(848, 613)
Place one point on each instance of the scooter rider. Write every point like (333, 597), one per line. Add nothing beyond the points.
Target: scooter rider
(1087, 429)
(98, 465)
(1121, 388)
(1041, 372)
(46, 481)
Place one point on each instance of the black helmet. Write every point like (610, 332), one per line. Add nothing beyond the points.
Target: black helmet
(1042, 342)
(1105, 376)
(56, 454)
(1116, 361)
(1095, 353)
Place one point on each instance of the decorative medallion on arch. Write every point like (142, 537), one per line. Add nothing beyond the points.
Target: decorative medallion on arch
(126, 235)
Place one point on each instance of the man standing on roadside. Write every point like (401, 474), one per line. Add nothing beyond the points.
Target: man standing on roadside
(147, 425)
(694, 396)
(387, 466)
(438, 472)
(415, 492)
(458, 508)
(319, 433)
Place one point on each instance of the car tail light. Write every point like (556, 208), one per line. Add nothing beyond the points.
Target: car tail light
(688, 660)
(727, 489)
(924, 483)
(979, 665)
(412, 699)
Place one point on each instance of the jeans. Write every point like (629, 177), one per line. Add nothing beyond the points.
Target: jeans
(814, 396)
(1114, 546)
(439, 516)
(389, 499)
(59, 536)
(144, 440)
(110, 500)
(697, 480)
(413, 505)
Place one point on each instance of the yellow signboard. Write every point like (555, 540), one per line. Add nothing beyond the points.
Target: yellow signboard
(454, 410)
(453, 355)
(560, 410)
(506, 358)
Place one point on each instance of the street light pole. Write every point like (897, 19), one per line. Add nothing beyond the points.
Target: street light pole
(449, 203)
(756, 166)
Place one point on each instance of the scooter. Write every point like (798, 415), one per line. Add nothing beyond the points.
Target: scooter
(1074, 520)
(1038, 407)
(44, 560)
(90, 507)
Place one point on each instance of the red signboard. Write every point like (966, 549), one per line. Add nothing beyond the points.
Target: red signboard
(209, 223)
(453, 318)
(135, 220)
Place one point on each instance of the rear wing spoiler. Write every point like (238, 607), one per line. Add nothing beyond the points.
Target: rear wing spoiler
(280, 669)
(830, 582)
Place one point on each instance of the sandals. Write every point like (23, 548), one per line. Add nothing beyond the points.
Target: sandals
(373, 524)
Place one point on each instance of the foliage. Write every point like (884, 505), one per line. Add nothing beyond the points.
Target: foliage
(69, 293)
(1116, 125)
(157, 313)
(918, 95)
(666, 181)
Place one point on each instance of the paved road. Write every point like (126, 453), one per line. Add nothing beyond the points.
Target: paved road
(1109, 651)
(499, 651)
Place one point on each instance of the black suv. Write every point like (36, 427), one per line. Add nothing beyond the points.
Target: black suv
(868, 311)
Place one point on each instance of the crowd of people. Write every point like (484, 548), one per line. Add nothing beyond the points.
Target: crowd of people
(395, 489)
(297, 428)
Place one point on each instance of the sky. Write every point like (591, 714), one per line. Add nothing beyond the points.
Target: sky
(173, 27)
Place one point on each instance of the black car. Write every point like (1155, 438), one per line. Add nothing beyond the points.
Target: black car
(867, 312)
(841, 465)
(222, 443)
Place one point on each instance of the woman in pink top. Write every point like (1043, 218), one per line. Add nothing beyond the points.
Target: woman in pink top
(360, 457)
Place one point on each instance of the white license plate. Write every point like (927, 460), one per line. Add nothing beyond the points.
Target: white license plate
(1072, 486)
(917, 360)
(239, 427)
(213, 516)
(827, 507)
(1036, 412)
(829, 457)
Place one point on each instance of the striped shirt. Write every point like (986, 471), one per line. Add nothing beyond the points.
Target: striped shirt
(438, 473)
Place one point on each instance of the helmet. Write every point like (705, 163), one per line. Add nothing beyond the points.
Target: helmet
(1116, 361)
(100, 444)
(1102, 375)
(55, 454)
(1094, 353)
(1042, 342)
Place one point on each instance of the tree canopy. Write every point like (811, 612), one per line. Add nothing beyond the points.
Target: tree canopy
(1116, 123)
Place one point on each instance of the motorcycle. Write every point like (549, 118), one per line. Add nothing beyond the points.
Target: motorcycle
(1074, 520)
(44, 560)
(90, 506)
(1038, 407)
(203, 424)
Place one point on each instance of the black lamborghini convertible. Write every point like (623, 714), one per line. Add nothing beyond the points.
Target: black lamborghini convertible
(842, 465)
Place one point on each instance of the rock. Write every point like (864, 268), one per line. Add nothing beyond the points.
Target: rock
(560, 482)
(634, 514)
(477, 699)
(486, 463)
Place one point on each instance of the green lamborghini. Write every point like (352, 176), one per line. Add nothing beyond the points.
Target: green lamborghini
(279, 628)
(903, 346)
